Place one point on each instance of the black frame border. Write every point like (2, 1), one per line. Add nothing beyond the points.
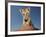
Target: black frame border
(6, 18)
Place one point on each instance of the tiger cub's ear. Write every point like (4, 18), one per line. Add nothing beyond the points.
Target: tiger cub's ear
(20, 10)
(28, 9)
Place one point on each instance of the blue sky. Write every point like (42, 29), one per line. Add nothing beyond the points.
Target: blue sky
(16, 17)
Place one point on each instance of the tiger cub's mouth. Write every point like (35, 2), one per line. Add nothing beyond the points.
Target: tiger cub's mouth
(26, 20)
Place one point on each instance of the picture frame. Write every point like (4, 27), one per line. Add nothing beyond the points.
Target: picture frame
(8, 16)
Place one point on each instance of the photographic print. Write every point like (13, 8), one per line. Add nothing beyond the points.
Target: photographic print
(25, 18)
